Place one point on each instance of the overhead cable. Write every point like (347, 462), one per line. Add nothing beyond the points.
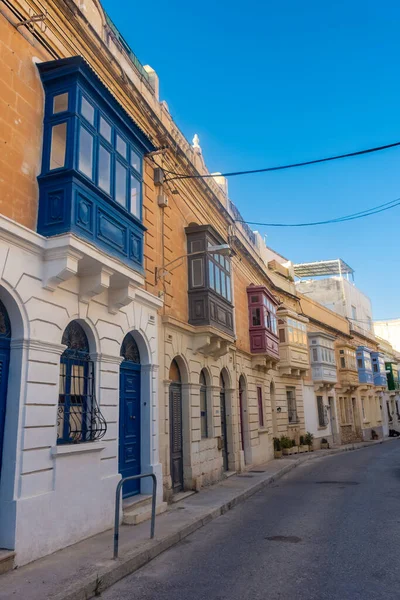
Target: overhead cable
(282, 167)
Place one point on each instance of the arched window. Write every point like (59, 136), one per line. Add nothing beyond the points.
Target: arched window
(203, 405)
(79, 416)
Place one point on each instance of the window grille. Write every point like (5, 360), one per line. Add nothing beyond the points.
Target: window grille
(79, 416)
(321, 411)
(203, 405)
(291, 403)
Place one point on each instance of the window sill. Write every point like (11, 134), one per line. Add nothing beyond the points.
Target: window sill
(322, 427)
(294, 424)
(263, 430)
(68, 449)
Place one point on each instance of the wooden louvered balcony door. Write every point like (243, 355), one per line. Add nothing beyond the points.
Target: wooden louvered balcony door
(175, 413)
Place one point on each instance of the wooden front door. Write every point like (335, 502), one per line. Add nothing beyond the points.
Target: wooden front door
(176, 442)
(224, 438)
(129, 427)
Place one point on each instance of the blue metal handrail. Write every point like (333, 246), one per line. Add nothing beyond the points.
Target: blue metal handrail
(118, 502)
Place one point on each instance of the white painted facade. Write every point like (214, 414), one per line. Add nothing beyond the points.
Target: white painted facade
(389, 331)
(342, 297)
(330, 430)
(51, 495)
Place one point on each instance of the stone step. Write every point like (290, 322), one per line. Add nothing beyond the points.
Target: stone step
(140, 511)
(6, 561)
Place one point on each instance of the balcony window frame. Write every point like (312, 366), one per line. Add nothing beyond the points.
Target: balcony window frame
(75, 121)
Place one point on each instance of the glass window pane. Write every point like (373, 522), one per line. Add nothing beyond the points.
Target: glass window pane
(87, 110)
(255, 317)
(211, 282)
(223, 284)
(58, 146)
(85, 152)
(104, 169)
(135, 197)
(120, 183)
(217, 280)
(121, 146)
(197, 272)
(228, 288)
(60, 103)
(105, 129)
(227, 264)
(136, 161)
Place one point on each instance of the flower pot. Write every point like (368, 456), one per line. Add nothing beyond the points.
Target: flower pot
(277, 453)
(295, 450)
(303, 448)
(311, 448)
(287, 451)
(324, 446)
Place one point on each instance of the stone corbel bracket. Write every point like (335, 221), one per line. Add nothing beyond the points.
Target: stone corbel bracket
(210, 345)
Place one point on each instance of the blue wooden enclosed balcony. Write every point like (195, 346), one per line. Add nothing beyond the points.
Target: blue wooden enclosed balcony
(379, 369)
(364, 365)
(91, 179)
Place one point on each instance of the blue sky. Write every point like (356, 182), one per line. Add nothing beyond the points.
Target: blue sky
(268, 83)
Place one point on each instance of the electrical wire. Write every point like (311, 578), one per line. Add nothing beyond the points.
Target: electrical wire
(283, 167)
(365, 213)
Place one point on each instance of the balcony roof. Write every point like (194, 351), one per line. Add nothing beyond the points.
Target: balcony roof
(322, 267)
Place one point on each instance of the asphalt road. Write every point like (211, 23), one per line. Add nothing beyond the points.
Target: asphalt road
(329, 530)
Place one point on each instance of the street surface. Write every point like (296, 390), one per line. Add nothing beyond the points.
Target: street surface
(329, 530)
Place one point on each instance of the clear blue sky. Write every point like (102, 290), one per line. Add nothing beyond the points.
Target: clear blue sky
(268, 83)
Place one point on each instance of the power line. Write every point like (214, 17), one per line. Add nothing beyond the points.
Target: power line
(283, 167)
(365, 213)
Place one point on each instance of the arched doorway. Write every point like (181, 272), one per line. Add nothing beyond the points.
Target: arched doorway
(175, 427)
(244, 426)
(224, 435)
(129, 459)
(273, 409)
(5, 337)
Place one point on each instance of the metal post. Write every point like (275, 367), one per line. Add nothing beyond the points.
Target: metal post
(118, 501)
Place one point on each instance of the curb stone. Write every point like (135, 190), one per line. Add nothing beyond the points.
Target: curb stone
(112, 572)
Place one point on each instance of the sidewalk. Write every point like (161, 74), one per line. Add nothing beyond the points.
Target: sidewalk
(83, 570)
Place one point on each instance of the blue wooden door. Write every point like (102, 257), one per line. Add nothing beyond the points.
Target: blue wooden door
(4, 362)
(129, 426)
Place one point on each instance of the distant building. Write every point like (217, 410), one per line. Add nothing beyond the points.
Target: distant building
(390, 331)
(328, 283)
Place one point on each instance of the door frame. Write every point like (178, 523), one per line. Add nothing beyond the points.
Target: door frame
(5, 357)
(129, 366)
(224, 429)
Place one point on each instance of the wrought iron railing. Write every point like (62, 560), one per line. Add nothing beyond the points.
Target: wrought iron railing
(79, 415)
(238, 217)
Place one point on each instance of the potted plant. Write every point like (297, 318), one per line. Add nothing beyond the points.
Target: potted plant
(374, 435)
(309, 440)
(324, 444)
(303, 447)
(286, 445)
(277, 448)
(295, 448)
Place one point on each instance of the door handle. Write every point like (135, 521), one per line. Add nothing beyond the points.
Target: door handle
(132, 417)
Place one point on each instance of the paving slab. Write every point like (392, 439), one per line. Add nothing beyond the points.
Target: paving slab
(83, 570)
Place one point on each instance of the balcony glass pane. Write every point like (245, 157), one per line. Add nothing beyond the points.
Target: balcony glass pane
(104, 170)
(121, 146)
(85, 152)
(228, 288)
(136, 161)
(255, 317)
(58, 146)
(60, 103)
(223, 284)
(135, 197)
(197, 272)
(87, 110)
(211, 280)
(120, 183)
(105, 129)
(217, 280)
